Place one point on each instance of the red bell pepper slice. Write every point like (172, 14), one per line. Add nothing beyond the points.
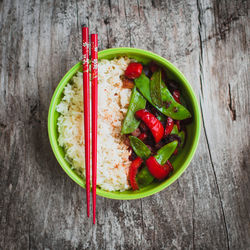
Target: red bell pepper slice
(157, 170)
(152, 122)
(133, 171)
(169, 126)
(133, 70)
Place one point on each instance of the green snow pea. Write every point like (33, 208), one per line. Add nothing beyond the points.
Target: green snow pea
(172, 108)
(155, 89)
(164, 153)
(144, 177)
(137, 102)
(139, 147)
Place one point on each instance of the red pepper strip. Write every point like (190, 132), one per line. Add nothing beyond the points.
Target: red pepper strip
(133, 171)
(177, 95)
(169, 126)
(178, 125)
(142, 136)
(157, 170)
(133, 70)
(152, 122)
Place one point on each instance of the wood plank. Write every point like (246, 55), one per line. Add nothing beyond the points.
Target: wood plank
(224, 33)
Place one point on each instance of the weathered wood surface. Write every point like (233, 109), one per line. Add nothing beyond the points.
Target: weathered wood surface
(207, 208)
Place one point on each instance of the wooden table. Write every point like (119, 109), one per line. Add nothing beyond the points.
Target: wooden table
(207, 208)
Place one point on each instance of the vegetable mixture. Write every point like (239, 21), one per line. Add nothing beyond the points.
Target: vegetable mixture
(153, 123)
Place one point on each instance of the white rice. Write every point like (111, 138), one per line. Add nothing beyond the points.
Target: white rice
(113, 163)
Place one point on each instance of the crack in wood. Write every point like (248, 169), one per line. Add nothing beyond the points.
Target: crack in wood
(231, 104)
(215, 176)
(223, 22)
(156, 3)
(201, 46)
(2, 125)
(33, 109)
(118, 7)
(138, 7)
(110, 6)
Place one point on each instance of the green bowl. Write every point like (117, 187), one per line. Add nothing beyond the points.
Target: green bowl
(180, 163)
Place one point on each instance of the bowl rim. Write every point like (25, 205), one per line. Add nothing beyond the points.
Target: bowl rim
(134, 195)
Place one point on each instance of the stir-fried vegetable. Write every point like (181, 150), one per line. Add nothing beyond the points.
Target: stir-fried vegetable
(137, 102)
(152, 122)
(158, 165)
(157, 170)
(133, 70)
(164, 153)
(160, 127)
(171, 108)
(139, 147)
(144, 177)
(155, 89)
(169, 126)
(133, 171)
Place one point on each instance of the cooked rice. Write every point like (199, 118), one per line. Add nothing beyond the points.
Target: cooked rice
(113, 100)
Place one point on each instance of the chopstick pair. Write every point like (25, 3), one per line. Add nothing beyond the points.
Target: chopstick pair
(86, 101)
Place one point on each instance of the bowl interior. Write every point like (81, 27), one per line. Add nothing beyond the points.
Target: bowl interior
(184, 156)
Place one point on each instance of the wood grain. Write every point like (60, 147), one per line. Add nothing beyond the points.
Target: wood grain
(207, 208)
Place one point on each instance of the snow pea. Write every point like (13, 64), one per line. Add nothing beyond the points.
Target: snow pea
(137, 102)
(164, 153)
(172, 108)
(155, 89)
(139, 147)
(144, 177)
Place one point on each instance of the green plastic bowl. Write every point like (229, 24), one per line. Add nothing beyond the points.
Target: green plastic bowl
(180, 163)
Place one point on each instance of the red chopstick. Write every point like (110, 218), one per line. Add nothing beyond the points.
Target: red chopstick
(86, 101)
(94, 90)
